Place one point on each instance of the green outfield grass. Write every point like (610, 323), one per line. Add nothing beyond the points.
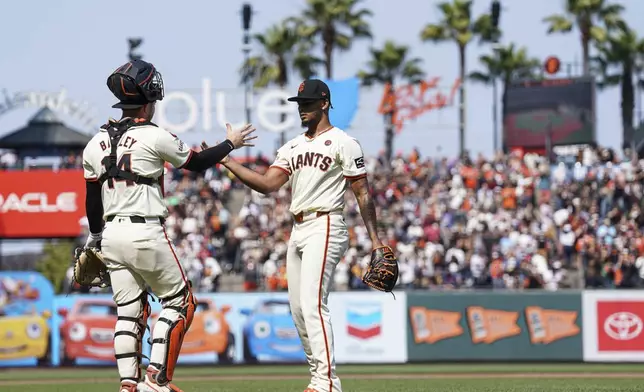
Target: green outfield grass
(376, 378)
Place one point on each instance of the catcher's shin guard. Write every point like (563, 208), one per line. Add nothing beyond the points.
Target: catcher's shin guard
(128, 336)
(169, 330)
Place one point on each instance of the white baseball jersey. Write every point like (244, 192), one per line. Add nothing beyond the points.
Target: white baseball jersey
(143, 151)
(318, 169)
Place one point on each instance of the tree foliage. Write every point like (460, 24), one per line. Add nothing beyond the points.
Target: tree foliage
(56, 259)
(335, 24)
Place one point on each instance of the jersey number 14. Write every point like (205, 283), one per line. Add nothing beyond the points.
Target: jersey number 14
(125, 164)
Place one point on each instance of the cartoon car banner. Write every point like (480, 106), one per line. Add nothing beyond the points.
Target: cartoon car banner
(237, 328)
(613, 326)
(26, 301)
(85, 330)
(226, 328)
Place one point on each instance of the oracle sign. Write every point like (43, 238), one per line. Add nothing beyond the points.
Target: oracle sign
(34, 202)
(41, 203)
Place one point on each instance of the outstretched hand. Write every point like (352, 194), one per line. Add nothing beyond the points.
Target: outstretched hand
(240, 137)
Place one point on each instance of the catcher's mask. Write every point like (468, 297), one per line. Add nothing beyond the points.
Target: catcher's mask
(135, 84)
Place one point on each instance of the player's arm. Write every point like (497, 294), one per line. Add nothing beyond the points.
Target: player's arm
(274, 178)
(354, 170)
(360, 187)
(172, 149)
(93, 198)
(209, 157)
(94, 206)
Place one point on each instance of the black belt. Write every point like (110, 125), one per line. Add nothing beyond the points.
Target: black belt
(135, 219)
(299, 218)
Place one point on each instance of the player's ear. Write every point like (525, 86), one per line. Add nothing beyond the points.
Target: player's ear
(325, 105)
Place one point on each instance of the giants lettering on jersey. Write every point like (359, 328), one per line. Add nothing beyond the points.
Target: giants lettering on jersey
(311, 159)
(126, 142)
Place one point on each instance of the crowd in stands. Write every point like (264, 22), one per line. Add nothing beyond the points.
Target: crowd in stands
(512, 222)
(9, 160)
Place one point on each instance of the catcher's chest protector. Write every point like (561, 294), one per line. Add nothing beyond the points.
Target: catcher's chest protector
(114, 170)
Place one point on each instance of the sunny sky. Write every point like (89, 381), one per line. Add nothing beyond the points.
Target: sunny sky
(74, 45)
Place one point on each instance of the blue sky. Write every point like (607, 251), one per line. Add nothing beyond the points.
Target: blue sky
(75, 45)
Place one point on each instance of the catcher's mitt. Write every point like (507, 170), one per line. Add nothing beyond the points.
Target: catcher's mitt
(382, 272)
(89, 269)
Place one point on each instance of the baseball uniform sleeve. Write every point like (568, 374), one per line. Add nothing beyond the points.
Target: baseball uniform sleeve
(172, 149)
(281, 162)
(89, 172)
(353, 165)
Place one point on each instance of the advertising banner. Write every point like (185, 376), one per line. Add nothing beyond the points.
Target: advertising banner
(494, 326)
(369, 327)
(227, 328)
(238, 328)
(613, 326)
(26, 300)
(41, 203)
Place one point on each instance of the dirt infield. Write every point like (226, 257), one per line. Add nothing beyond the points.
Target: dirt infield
(409, 376)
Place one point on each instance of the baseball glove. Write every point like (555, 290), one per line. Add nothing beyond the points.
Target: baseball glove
(382, 272)
(89, 269)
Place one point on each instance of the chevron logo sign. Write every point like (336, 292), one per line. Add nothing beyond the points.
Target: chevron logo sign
(364, 321)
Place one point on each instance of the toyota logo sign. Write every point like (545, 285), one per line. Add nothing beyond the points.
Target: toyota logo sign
(623, 326)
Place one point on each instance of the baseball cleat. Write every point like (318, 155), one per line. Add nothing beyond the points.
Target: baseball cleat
(149, 384)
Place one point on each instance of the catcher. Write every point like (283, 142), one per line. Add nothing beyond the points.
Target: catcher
(128, 247)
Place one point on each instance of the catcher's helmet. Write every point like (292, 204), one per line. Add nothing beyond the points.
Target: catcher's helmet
(135, 84)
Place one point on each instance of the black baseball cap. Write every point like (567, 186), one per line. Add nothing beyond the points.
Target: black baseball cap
(312, 90)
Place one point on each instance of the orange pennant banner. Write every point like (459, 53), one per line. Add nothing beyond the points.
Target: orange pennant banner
(431, 326)
(548, 325)
(490, 325)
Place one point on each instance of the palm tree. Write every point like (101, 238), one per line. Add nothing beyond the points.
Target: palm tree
(507, 63)
(619, 62)
(388, 66)
(458, 26)
(336, 23)
(281, 50)
(593, 18)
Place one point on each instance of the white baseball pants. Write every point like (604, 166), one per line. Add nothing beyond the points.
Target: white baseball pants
(140, 253)
(315, 248)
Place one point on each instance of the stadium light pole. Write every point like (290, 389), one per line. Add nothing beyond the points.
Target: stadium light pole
(495, 12)
(134, 43)
(639, 86)
(495, 104)
(247, 12)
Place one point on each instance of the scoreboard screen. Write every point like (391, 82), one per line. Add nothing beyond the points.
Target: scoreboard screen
(561, 108)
